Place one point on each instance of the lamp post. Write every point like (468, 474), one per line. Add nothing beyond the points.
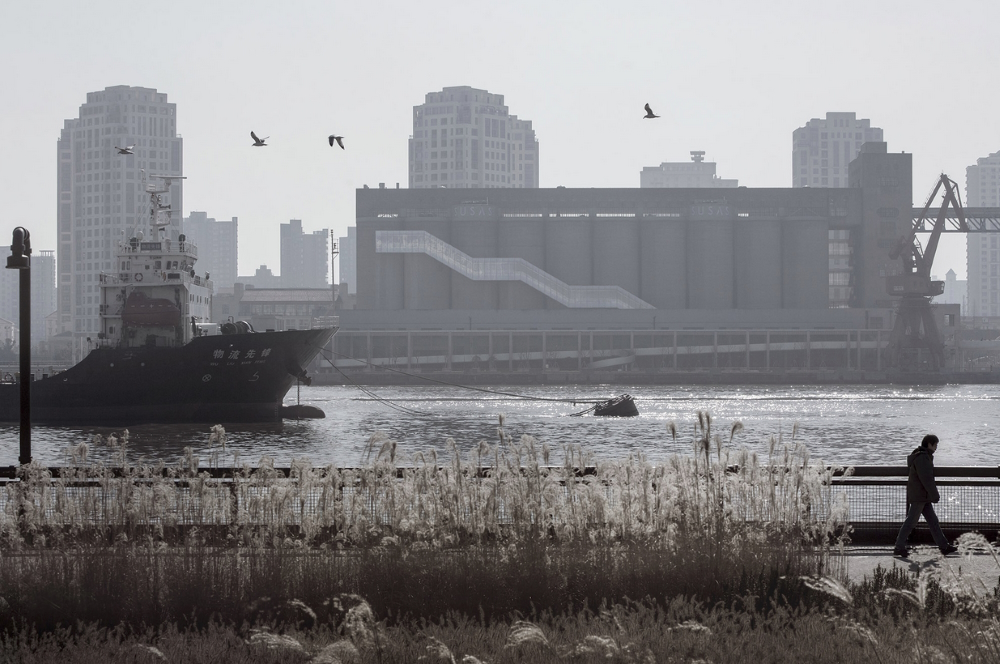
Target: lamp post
(20, 259)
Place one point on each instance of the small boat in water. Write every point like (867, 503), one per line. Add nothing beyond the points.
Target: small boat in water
(621, 406)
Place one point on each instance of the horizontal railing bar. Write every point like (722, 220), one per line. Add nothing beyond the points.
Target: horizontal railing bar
(225, 472)
(850, 481)
(939, 471)
(220, 472)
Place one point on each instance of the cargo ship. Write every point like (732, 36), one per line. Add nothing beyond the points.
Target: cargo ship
(158, 358)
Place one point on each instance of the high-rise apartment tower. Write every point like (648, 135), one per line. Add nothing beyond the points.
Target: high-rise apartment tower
(304, 256)
(101, 193)
(982, 189)
(218, 243)
(465, 138)
(43, 292)
(822, 149)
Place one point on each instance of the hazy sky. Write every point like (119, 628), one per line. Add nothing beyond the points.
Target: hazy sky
(733, 78)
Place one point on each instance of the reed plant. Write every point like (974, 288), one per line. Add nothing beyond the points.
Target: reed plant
(509, 492)
(504, 528)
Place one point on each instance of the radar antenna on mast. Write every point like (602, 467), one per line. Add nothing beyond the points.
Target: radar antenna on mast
(156, 205)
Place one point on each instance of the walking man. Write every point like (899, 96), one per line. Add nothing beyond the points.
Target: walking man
(921, 494)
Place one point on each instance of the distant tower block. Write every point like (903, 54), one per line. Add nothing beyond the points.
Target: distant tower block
(305, 257)
(982, 189)
(465, 138)
(218, 246)
(822, 149)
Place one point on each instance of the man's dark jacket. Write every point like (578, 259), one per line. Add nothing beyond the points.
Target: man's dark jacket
(920, 486)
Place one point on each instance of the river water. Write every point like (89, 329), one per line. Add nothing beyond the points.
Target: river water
(852, 425)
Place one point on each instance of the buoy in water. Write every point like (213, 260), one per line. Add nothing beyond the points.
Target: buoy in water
(302, 412)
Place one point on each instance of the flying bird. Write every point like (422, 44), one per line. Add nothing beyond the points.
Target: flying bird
(127, 150)
(338, 139)
(258, 142)
(649, 113)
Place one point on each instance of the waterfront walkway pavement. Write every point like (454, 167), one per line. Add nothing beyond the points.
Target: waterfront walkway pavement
(980, 570)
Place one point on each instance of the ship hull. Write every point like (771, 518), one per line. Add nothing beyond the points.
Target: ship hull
(213, 379)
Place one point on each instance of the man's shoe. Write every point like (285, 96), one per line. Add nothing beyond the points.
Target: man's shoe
(951, 548)
(901, 553)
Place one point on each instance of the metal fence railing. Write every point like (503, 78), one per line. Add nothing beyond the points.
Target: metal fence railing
(970, 501)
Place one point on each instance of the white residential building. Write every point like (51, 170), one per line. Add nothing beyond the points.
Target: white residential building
(822, 149)
(696, 173)
(465, 138)
(982, 189)
(100, 193)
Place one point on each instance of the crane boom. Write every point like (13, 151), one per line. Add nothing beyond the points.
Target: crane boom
(917, 261)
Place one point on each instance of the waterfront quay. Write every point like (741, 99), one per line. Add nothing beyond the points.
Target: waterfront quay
(639, 356)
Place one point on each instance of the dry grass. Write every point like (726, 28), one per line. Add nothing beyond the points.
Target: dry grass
(426, 502)
(420, 538)
(677, 631)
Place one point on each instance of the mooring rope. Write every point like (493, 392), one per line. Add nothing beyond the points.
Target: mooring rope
(386, 402)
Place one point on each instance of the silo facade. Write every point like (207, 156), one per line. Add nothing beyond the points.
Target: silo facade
(806, 261)
(616, 252)
(389, 272)
(426, 281)
(477, 238)
(710, 254)
(758, 263)
(664, 264)
(568, 250)
(521, 238)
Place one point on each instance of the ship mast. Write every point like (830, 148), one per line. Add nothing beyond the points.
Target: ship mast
(156, 208)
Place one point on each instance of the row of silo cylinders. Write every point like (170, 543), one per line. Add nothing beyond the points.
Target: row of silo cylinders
(671, 263)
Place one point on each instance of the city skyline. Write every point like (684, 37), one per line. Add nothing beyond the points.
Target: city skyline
(583, 86)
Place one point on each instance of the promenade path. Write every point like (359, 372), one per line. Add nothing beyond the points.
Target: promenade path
(980, 570)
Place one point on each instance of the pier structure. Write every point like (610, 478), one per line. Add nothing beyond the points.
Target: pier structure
(642, 350)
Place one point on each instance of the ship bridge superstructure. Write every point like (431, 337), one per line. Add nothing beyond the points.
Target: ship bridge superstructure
(155, 297)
